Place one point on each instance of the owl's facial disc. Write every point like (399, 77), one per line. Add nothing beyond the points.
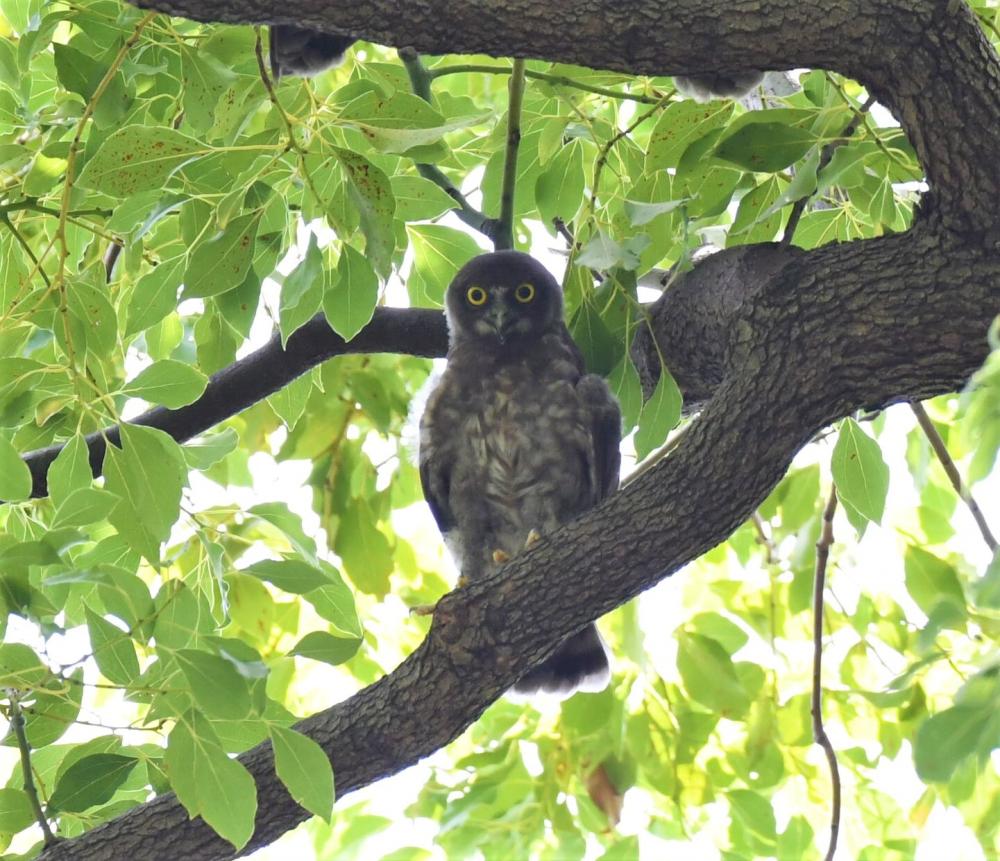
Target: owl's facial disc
(499, 316)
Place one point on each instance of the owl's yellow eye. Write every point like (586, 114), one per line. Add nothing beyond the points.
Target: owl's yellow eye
(476, 296)
(524, 292)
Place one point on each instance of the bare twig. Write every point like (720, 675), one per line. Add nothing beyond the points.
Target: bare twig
(799, 206)
(17, 724)
(763, 538)
(819, 733)
(420, 81)
(941, 450)
(504, 238)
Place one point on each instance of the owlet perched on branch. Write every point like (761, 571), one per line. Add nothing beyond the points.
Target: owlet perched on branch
(301, 51)
(517, 438)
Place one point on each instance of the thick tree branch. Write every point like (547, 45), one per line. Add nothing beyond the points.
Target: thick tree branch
(927, 60)
(417, 331)
(784, 342)
(816, 337)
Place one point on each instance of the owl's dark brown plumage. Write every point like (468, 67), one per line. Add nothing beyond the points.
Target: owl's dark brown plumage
(300, 51)
(517, 437)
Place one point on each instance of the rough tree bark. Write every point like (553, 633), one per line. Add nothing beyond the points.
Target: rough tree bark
(777, 342)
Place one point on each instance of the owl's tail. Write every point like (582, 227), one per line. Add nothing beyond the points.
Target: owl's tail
(580, 664)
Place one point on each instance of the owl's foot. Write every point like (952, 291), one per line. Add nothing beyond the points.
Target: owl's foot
(500, 556)
(534, 536)
(463, 581)
(423, 609)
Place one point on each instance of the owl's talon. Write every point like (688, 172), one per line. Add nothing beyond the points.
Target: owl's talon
(534, 536)
(463, 581)
(500, 556)
(423, 609)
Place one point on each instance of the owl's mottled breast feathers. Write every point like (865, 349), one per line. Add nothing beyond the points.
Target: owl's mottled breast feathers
(517, 438)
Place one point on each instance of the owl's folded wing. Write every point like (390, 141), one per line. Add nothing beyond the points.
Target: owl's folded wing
(606, 432)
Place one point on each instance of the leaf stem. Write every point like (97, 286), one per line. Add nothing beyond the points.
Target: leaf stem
(941, 450)
(420, 81)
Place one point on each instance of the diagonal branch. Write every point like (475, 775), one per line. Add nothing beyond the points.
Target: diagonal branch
(928, 61)
(817, 337)
(417, 331)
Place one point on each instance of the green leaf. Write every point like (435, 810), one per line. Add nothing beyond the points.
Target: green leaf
(291, 575)
(659, 416)
(559, 187)
(600, 348)
(91, 781)
(92, 308)
(219, 690)
(147, 475)
(15, 477)
(419, 199)
(208, 783)
(114, 651)
(205, 451)
(302, 291)
(640, 214)
(155, 295)
(765, 147)
(20, 667)
(84, 506)
(15, 811)
(321, 646)
(365, 551)
(987, 589)
(948, 737)
(372, 194)
(221, 262)
(350, 301)
(205, 80)
(56, 707)
(438, 253)
(335, 603)
(679, 126)
(860, 473)
(400, 122)
(138, 158)
(751, 225)
(709, 675)
(882, 208)
(167, 382)
(304, 769)
(77, 71)
(624, 383)
(931, 580)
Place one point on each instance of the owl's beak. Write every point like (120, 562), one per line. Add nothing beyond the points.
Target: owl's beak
(500, 320)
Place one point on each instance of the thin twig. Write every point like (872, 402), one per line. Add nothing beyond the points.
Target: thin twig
(504, 238)
(5, 220)
(763, 538)
(420, 81)
(17, 724)
(941, 450)
(558, 80)
(293, 142)
(819, 733)
(825, 156)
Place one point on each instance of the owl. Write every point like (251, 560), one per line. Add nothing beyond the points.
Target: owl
(517, 438)
(300, 51)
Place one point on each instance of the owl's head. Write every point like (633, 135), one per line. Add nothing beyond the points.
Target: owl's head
(502, 298)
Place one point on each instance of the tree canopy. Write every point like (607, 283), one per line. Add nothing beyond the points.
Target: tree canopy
(220, 296)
